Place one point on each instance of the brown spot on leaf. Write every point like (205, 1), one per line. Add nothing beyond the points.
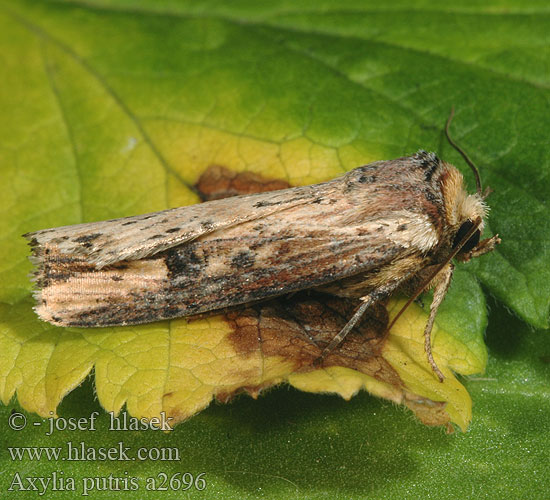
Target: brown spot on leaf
(218, 182)
(298, 328)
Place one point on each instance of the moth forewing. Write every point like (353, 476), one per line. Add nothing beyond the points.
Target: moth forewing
(131, 238)
(368, 233)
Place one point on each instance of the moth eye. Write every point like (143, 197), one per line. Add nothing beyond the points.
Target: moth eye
(462, 232)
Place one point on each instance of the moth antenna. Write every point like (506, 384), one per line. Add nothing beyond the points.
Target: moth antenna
(462, 152)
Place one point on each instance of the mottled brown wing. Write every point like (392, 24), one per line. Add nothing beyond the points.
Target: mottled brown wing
(309, 237)
(131, 238)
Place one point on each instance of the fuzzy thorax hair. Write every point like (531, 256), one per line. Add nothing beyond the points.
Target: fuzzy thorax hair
(459, 204)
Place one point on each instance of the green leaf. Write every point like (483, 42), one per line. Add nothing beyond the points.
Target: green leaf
(114, 108)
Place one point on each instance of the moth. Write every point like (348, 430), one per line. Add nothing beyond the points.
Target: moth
(380, 228)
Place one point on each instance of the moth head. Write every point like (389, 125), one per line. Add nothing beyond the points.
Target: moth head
(465, 215)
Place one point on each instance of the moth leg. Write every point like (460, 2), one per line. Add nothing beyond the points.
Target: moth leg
(367, 301)
(443, 281)
(483, 247)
